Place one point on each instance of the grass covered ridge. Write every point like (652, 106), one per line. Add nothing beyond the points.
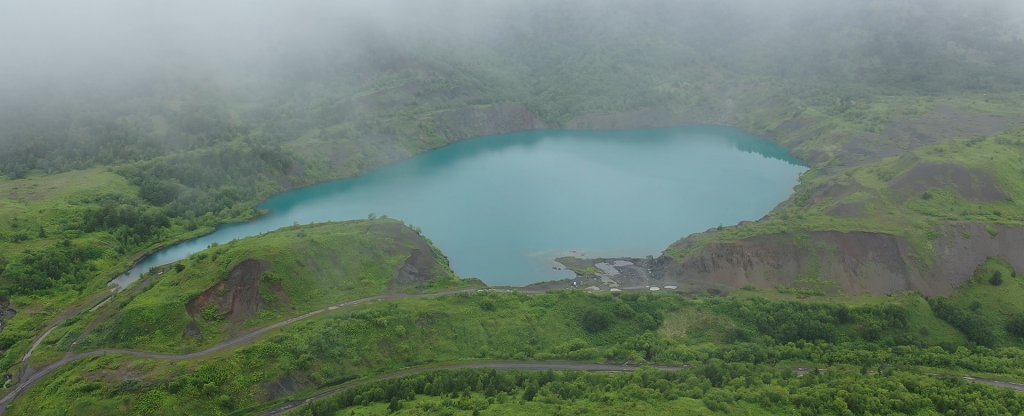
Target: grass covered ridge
(298, 269)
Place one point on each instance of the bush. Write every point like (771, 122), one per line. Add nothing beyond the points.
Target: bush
(212, 313)
(996, 279)
(596, 320)
(1015, 325)
(974, 327)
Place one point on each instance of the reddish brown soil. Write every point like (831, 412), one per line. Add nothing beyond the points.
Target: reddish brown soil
(236, 298)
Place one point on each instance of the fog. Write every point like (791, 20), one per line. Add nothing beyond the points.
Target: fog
(68, 41)
(67, 67)
(71, 42)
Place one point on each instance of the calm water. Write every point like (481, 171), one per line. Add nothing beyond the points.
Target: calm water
(503, 207)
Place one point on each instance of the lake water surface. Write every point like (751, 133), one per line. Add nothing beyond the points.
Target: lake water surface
(503, 207)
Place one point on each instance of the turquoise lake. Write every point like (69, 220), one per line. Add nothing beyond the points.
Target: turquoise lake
(503, 207)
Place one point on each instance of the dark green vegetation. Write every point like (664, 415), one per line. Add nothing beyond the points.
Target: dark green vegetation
(742, 352)
(909, 114)
(713, 388)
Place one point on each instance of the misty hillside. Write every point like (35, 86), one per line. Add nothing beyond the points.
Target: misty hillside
(105, 89)
(781, 207)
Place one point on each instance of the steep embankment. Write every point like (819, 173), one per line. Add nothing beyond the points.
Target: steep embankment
(848, 262)
(852, 262)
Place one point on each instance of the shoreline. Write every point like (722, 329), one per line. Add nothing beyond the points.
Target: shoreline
(125, 279)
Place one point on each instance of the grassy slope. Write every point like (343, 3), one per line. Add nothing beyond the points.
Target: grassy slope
(316, 266)
(54, 204)
(994, 304)
(667, 328)
(372, 339)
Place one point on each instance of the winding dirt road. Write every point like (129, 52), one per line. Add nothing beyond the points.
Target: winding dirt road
(33, 377)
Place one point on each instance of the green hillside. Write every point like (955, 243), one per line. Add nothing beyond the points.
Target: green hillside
(895, 267)
(740, 347)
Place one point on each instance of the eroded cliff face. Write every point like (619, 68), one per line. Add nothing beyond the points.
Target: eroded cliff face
(849, 263)
(965, 246)
(856, 262)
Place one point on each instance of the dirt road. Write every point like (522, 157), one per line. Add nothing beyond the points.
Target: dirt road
(35, 376)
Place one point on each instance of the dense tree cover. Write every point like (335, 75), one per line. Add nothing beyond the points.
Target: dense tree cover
(386, 337)
(973, 325)
(51, 132)
(1015, 325)
(131, 222)
(126, 224)
(722, 388)
(793, 321)
(190, 185)
(62, 264)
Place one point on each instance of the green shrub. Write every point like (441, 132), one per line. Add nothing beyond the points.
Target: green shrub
(212, 313)
(1015, 325)
(596, 320)
(996, 279)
